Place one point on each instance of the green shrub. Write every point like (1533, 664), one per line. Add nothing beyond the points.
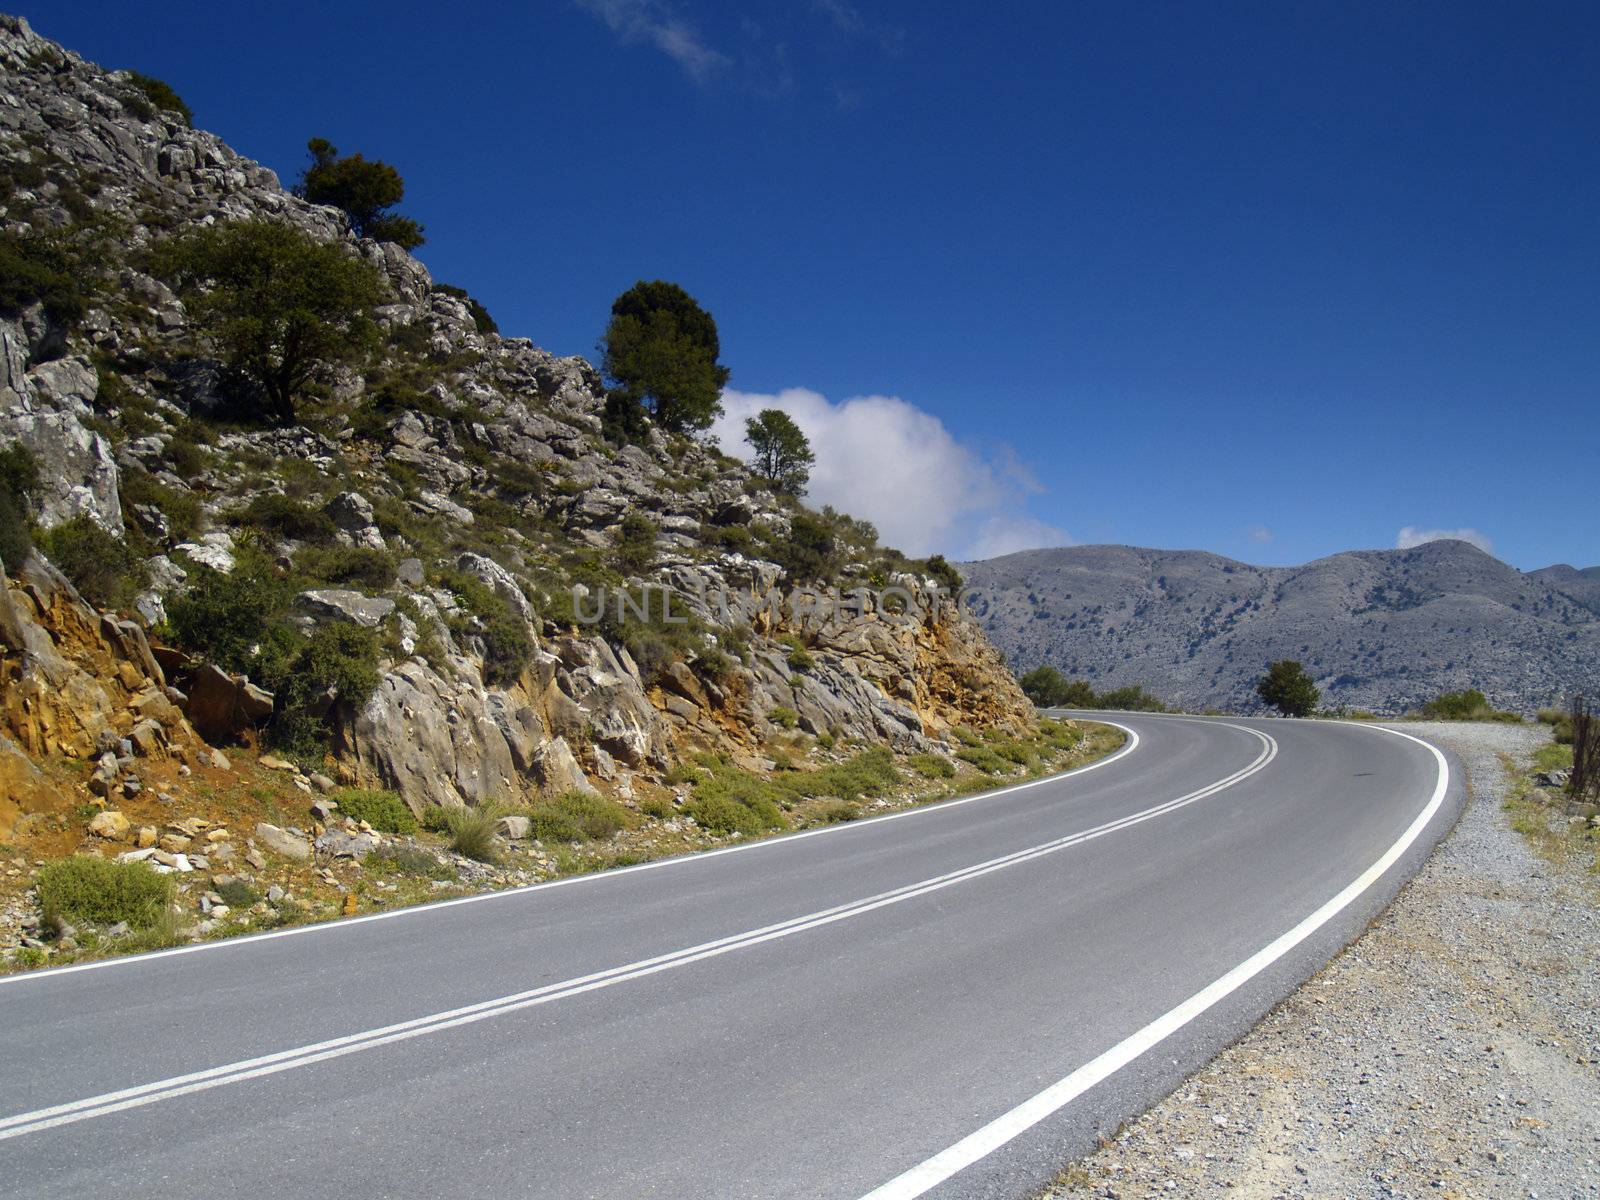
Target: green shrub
(732, 801)
(338, 658)
(160, 95)
(943, 573)
(870, 773)
(225, 617)
(16, 538)
(381, 809)
(507, 641)
(787, 718)
(348, 566)
(90, 889)
(1455, 706)
(724, 814)
(576, 817)
(839, 810)
(659, 807)
(471, 830)
(105, 570)
(411, 860)
(19, 475)
(285, 517)
(932, 766)
(481, 319)
(236, 893)
(983, 758)
(42, 268)
(636, 544)
(181, 509)
(808, 552)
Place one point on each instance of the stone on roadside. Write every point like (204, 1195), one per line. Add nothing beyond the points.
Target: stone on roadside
(281, 841)
(111, 825)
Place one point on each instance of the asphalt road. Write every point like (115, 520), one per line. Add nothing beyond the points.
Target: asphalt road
(946, 1002)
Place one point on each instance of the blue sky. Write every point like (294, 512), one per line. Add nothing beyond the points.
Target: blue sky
(1270, 280)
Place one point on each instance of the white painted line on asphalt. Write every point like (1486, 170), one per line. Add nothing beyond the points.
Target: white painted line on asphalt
(418, 910)
(930, 1173)
(238, 1072)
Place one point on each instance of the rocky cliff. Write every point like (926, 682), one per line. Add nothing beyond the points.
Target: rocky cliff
(447, 483)
(1385, 630)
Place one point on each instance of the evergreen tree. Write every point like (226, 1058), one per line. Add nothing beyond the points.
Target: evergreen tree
(783, 456)
(1288, 689)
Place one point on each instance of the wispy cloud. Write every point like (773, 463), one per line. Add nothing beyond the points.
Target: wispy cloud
(1260, 533)
(886, 460)
(1411, 536)
(655, 23)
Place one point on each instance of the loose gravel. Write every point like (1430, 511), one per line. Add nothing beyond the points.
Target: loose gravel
(1452, 1051)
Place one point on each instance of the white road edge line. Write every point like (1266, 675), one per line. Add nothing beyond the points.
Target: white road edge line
(930, 1173)
(417, 910)
(20, 1124)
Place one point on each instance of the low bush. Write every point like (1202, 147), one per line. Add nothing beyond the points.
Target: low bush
(411, 860)
(984, 759)
(481, 319)
(181, 509)
(732, 801)
(348, 566)
(576, 817)
(839, 810)
(471, 830)
(160, 94)
(659, 807)
(507, 641)
(932, 766)
(236, 893)
(287, 518)
(104, 569)
(379, 808)
(89, 889)
(19, 475)
(635, 548)
(226, 617)
(786, 718)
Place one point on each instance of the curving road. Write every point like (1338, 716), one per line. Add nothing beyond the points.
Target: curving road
(944, 1002)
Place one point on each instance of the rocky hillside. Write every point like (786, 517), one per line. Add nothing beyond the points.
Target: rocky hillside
(1384, 630)
(395, 570)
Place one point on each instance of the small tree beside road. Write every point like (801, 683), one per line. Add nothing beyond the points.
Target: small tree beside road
(1288, 689)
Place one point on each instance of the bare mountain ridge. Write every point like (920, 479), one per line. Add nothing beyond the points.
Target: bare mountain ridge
(1379, 629)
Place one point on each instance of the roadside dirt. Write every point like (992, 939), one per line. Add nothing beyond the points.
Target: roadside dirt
(1452, 1051)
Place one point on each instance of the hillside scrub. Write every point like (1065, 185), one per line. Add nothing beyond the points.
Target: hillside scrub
(1468, 705)
(89, 889)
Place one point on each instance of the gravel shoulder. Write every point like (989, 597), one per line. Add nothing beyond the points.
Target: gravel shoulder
(1453, 1050)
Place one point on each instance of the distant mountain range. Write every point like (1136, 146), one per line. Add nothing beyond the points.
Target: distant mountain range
(1384, 630)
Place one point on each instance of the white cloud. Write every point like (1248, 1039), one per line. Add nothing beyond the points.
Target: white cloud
(1260, 533)
(1008, 534)
(889, 462)
(653, 22)
(1412, 536)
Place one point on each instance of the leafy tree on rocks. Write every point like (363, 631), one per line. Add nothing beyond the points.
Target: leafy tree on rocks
(366, 191)
(1288, 689)
(660, 351)
(783, 456)
(279, 306)
(1045, 686)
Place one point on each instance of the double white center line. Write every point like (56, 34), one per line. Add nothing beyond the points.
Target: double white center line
(302, 1056)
